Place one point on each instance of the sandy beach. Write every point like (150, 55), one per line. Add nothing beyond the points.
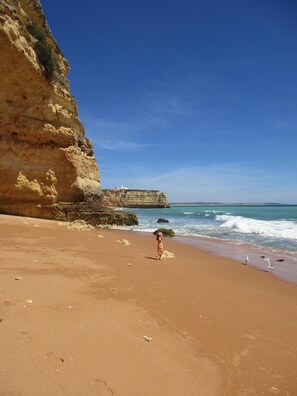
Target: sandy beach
(93, 313)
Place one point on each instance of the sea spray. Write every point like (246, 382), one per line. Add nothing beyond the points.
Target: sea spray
(278, 229)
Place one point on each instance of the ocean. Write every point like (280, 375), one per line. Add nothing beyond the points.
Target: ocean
(236, 232)
(269, 226)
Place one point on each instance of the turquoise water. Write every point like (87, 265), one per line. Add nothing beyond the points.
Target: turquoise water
(272, 226)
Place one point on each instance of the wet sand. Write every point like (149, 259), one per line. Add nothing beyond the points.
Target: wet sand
(83, 313)
(286, 270)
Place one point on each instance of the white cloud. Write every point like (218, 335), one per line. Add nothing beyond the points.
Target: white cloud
(168, 104)
(103, 126)
(118, 145)
(221, 183)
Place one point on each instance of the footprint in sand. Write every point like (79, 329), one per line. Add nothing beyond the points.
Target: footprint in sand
(102, 387)
(237, 356)
(25, 336)
(249, 336)
(53, 356)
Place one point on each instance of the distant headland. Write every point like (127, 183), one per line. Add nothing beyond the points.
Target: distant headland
(229, 204)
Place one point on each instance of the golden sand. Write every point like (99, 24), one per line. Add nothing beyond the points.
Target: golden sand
(86, 315)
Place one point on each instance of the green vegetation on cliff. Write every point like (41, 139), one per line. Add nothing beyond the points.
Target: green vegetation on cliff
(43, 51)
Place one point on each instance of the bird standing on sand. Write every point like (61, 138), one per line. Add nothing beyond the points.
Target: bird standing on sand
(271, 266)
(247, 260)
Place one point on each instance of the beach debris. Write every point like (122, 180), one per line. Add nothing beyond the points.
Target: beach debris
(272, 265)
(129, 264)
(124, 242)
(148, 339)
(80, 225)
(247, 260)
(18, 278)
(29, 301)
(100, 236)
(104, 226)
(274, 390)
(167, 255)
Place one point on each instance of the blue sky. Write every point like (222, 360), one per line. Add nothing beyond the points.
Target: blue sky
(194, 98)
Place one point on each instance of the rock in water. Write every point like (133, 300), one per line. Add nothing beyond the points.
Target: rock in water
(165, 231)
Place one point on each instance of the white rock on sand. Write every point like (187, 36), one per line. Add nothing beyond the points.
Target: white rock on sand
(124, 242)
(77, 225)
(167, 254)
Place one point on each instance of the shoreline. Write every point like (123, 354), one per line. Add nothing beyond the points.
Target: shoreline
(286, 271)
(83, 312)
(265, 226)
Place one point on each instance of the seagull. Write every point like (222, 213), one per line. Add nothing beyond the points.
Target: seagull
(247, 260)
(271, 266)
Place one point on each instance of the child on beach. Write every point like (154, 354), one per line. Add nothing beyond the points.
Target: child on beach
(160, 247)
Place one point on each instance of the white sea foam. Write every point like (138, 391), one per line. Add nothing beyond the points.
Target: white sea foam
(150, 230)
(214, 211)
(188, 213)
(277, 229)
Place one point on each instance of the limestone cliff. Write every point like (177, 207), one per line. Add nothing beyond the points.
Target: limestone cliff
(47, 165)
(127, 198)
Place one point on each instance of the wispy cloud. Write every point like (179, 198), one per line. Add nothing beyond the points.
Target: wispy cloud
(170, 104)
(159, 107)
(220, 182)
(104, 126)
(122, 145)
(289, 124)
(119, 145)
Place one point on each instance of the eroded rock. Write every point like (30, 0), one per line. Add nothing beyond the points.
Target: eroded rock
(47, 163)
(131, 198)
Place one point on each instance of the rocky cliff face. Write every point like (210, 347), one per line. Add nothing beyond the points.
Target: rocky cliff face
(135, 198)
(47, 165)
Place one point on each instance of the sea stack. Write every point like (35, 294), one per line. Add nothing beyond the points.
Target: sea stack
(47, 164)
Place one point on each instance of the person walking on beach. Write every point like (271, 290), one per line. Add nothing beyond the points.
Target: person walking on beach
(160, 247)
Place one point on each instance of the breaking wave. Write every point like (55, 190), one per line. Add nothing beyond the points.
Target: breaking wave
(277, 229)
